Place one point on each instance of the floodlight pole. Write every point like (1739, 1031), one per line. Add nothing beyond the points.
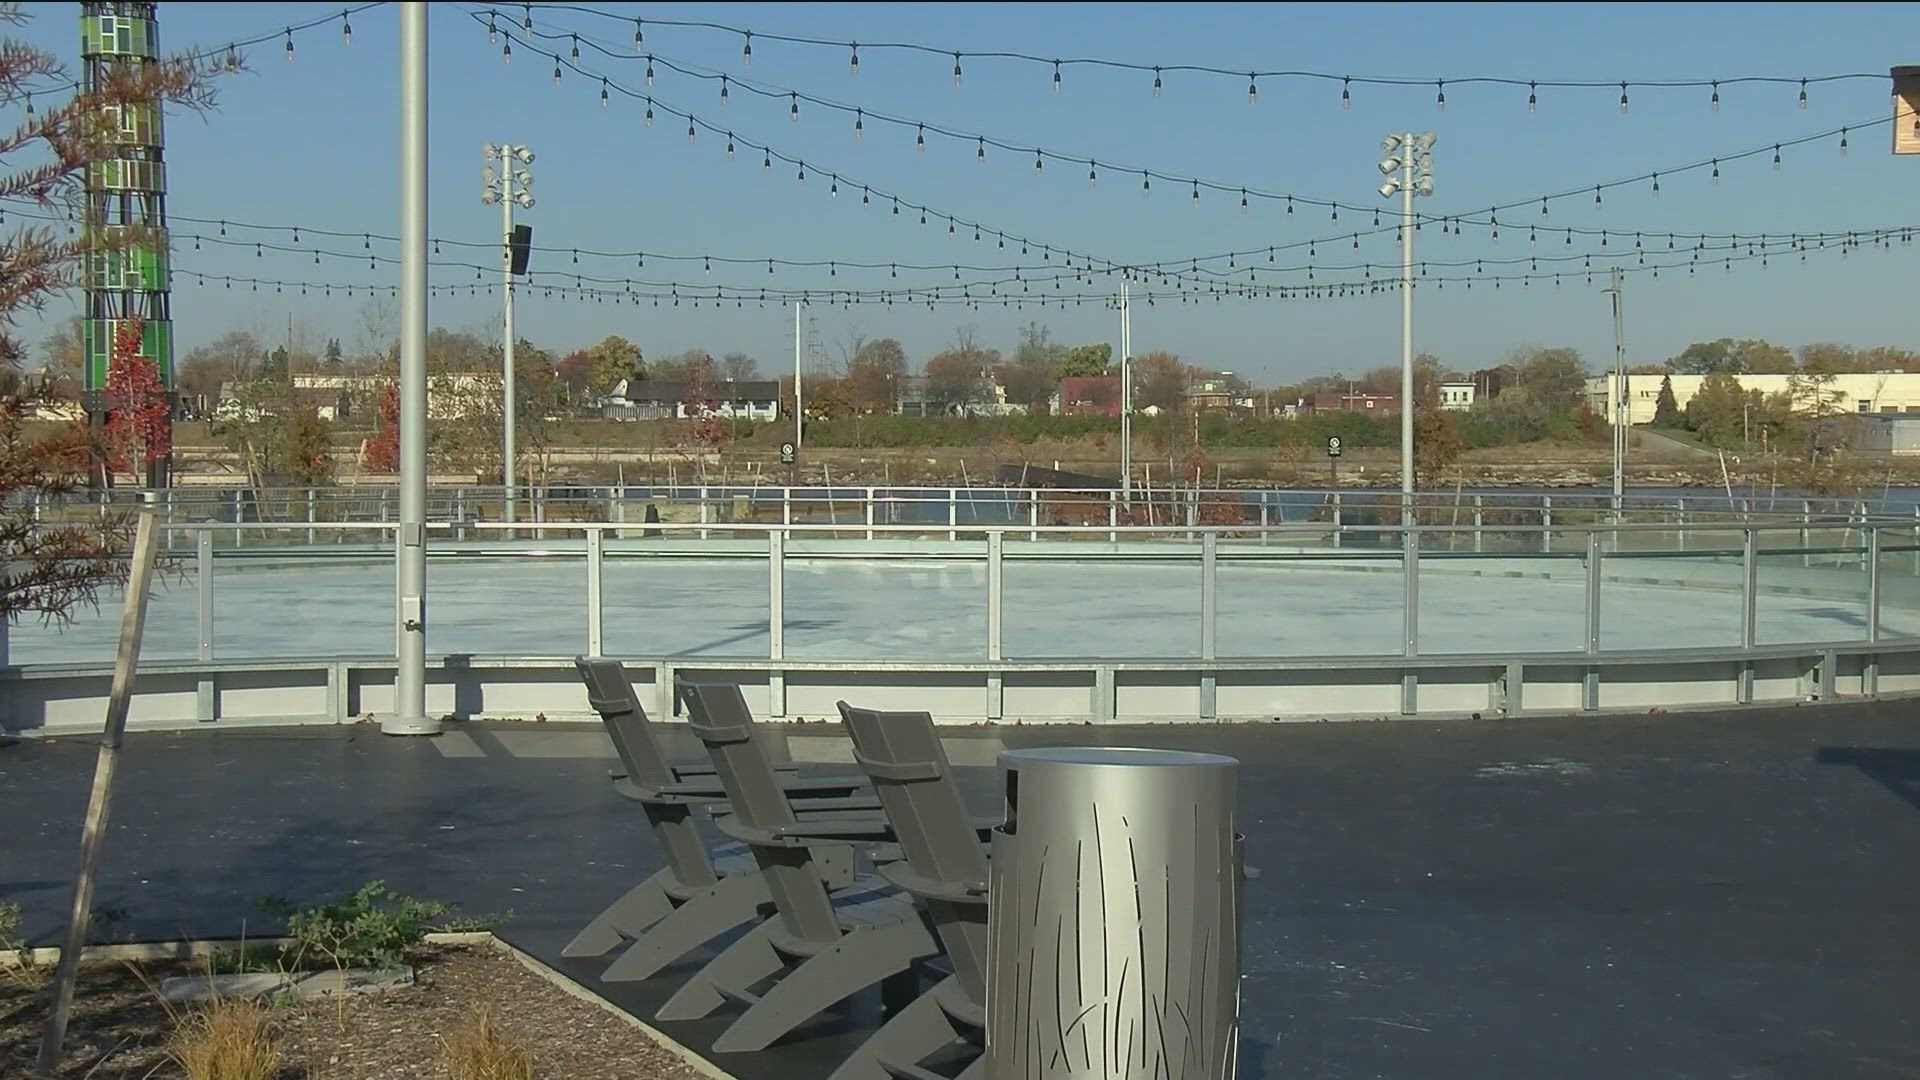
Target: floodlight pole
(1409, 170)
(799, 412)
(1622, 417)
(509, 458)
(1126, 395)
(410, 553)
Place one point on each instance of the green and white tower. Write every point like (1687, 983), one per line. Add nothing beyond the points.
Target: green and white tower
(125, 216)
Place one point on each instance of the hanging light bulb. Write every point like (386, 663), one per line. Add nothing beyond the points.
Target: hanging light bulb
(1803, 93)
(1056, 76)
(1623, 99)
(1196, 193)
(1346, 92)
(859, 123)
(1253, 90)
(527, 23)
(1716, 95)
(956, 69)
(1533, 97)
(556, 69)
(1289, 206)
(746, 48)
(289, 45)
(649, 112)
(603, 91)
(649, 71)
(1037, 163)
(1092, 177)
(1243, 200)
(689, 131)
(853, 59)
(1843, 142)
(1716, 170)
(1440, 95)
(1596, 195)
(493, 32)
(506, 52)
(576, 48)
(1146, 183)
(1156, 82)
(1656, 185)
(920, 138)
(833, 188)
(1776, 157)
(980, 155)
(639, 36)
(729, 146)
(346, 30)
(723, 91)
(793, 108)
(801, 175)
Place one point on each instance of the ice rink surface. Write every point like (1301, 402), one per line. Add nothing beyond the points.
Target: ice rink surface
(936, 608)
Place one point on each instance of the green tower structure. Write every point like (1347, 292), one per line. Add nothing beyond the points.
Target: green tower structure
(126, 272)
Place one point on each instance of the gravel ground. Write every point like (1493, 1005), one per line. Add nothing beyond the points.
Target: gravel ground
(119, 1027)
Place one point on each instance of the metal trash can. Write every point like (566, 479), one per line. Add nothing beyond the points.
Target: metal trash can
(1115, 916)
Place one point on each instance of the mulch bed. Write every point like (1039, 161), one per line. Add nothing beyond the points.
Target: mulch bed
(119, 1026)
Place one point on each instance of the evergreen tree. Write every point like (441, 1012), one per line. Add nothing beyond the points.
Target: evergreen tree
(1666, 409)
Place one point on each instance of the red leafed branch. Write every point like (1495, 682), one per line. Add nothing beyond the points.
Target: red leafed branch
(707, 427)
(383, 450)
(137, 432)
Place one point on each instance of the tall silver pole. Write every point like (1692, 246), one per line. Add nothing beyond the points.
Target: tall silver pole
(1126, 395)
(798, 411)
(508, 458)
(1621, 416)
(1406, 334)
(410, 667)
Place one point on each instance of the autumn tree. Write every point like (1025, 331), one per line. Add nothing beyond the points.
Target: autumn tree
(955, 379)
(1159, 380)
(701, 408)
(1666, 408)
(1556, 378)
(613, 359)
(575, 373)
(1751, 356)
(231, 357)
(873, 376)
(49, 568)
(138, 433)
(1437, 442)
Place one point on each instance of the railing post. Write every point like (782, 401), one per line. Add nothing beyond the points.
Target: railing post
(1113, 517)
(1337, 523)
(1806, 532)
(1479, 521)
(1873, 583)
(703, 510)
(1749, 597)
(1033, 514)
(953, 513)
(1209, 620)
(996, 616)
(786, 506)
(869, 513)
(1546, 523)
(166, 499)
(310, 510)
(1590, 693)
(594, 594)
(203, 620)
(777, 619)
(239, 518)
(1264, 504)
(1410, 615)
(460, 510)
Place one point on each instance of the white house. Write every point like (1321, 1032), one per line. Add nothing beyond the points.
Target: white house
(733, 399)
(1456, 396)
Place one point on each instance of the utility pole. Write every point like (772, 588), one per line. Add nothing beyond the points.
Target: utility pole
(410, 661)
(1414, 164)
(507, 187)
(1622, 415)
(1126, 395)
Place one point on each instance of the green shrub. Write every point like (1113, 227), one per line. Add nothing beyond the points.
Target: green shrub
(373, 927)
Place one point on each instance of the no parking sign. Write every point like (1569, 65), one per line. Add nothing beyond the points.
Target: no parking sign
(1333, 446)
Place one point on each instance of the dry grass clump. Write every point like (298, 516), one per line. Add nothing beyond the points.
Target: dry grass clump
(230, 1039)
(479, 1050)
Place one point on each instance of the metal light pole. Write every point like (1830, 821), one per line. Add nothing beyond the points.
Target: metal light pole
(1126, 396)
(1622, 415)
(506, 188)
(799, 413)
(1410, 156)
(410, 553)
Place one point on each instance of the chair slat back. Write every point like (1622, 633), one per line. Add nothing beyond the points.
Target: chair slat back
(611, 695)
(902, 755)
(719, 716)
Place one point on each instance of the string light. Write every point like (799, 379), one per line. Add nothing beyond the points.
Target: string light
(289, 45)
(956, 69)
(920, 139)
(1346, 93)
(859, 123)
(1843, 142)
(723, 91)
(793, 108)
(1156, 82)
(1716, 96)
(556, 69)
(1056, 76)
(853, 59)
(1623, 99)
(1803, 94)
(604, 99)
(1253, 90)
(1533, 97)
(639, 36)
(346, 30)
(576, 48)
(1776, 157)
(1440, 95)
(746, 48)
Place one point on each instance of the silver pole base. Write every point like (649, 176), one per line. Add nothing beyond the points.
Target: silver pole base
(397, 725)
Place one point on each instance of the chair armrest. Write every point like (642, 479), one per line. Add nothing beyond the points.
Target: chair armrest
(839, 807)
(802, 785)
(849, 828)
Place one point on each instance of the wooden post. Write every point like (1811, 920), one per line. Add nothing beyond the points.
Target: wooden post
(133, 624)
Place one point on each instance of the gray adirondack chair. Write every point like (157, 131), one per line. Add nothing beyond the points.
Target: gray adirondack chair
(944, 866)
(695, 897)
(820, 947)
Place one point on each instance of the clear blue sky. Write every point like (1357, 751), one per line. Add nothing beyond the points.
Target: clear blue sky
(314, 143)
